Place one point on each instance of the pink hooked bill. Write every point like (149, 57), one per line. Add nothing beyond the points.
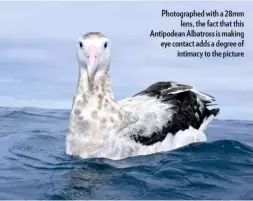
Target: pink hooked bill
(91, 54)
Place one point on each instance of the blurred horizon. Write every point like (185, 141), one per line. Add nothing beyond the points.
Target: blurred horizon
(38, 66)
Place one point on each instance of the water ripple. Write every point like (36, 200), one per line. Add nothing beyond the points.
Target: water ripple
(33, 158)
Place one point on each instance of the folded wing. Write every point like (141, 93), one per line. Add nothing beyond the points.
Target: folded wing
(166, 107)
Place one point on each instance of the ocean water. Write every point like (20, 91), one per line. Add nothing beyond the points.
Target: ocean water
(33, 164)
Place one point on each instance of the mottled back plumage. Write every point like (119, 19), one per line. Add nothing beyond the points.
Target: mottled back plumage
(188, 107)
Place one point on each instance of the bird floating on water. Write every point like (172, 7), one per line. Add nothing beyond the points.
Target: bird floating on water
(165, 116)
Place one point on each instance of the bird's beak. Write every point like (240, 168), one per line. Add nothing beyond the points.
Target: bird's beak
(91, 55)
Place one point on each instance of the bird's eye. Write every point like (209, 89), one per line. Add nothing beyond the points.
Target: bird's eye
(105, 45)
(80, 44)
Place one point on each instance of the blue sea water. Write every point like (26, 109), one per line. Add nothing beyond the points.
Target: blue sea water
(33, 164)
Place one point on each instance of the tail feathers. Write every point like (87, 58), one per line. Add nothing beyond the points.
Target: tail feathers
(209, 116)
(215, 111)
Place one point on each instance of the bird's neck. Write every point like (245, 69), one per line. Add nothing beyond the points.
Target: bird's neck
(100, 85)
(97, 99)
(94, 109)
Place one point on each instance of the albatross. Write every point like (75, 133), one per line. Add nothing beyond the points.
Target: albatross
(164, 116)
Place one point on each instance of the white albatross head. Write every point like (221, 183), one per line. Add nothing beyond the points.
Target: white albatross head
(93, 54)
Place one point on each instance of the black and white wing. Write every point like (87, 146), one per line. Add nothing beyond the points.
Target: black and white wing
(166, 108)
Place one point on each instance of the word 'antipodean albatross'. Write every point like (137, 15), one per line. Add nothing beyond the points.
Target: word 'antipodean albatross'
(164, 116)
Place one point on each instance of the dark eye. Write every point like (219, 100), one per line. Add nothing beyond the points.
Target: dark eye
(80, 44)
(105, 45)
